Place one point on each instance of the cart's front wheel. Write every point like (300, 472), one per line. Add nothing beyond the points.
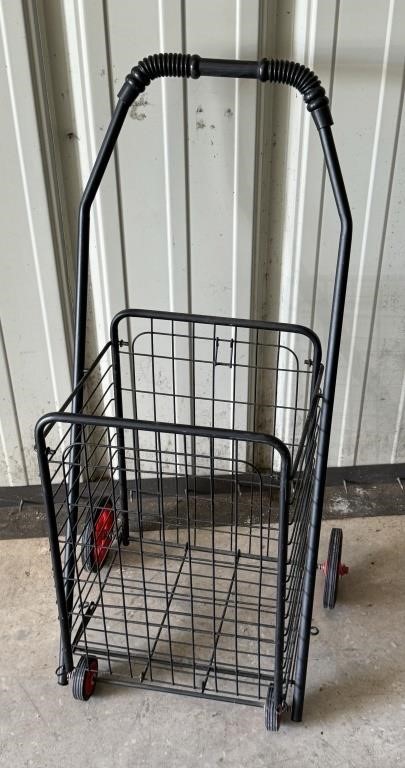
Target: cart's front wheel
(333, 568)
(84, 678)
(97, 535)
(271, 713)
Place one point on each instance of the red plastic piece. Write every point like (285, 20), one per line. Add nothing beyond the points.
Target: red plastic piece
(103, 534)
(342, 570)
(89, 682)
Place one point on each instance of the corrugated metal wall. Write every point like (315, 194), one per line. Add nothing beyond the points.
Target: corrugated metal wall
(34, 370)
(188, 219)
(358, 51)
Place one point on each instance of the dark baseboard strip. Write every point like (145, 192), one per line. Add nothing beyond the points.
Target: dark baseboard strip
(366, 474)
(365, 491)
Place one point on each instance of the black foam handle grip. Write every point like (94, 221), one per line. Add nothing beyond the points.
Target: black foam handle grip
(271, 70)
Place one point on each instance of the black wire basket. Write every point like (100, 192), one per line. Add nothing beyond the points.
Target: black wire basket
(184, 480)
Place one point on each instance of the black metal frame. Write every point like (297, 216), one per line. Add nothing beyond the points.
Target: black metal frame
(148, 69)
(184, 493)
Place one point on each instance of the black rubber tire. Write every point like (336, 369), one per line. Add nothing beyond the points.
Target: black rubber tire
(271, 714)
(332, 568)
(88, 559)
(84, 678)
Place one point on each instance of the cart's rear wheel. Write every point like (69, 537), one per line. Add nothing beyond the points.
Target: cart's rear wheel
(333, 568)
(84, 678)
(98, 534)
(271, 713)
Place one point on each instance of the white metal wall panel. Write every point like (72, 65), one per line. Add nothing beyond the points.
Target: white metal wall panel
(34, 360)
(367, 118)
(362, 66)
(174, 220)
(382, 428)
(221, 116)
(175, 226)
(147, 249)
(151, 182)
(87, 34)
(187, 219)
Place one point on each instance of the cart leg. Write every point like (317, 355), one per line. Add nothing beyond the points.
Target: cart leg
(68, 581)
(70, 545)
(281, 583)
(65, 662)
(65, 652)
(120, 434)
(311, 566)
(66, 665)
(61, 674)
(332, 357)
(304, 631)
(123, 485)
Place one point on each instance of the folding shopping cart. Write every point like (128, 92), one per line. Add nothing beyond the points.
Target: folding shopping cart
(184, 476)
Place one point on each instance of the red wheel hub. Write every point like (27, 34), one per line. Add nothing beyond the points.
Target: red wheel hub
(90, 676)
(103, 533)
(342, 568)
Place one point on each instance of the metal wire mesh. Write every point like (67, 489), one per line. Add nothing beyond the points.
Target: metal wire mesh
(192, 604)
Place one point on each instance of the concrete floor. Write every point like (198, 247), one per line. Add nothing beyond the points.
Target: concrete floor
(355, 705)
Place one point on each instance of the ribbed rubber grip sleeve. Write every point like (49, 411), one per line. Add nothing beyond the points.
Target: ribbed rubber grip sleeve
(157, 65)
(266, 70)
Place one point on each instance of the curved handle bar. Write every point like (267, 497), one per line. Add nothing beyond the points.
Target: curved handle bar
(271, 70)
